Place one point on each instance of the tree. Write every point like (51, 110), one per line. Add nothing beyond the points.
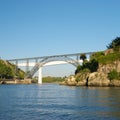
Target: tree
(83, 57)
(79, 67)
(90, 66)
(93, 66)
(115, 43)
(6, 71)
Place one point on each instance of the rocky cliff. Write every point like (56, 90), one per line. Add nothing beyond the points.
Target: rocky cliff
(99, 78)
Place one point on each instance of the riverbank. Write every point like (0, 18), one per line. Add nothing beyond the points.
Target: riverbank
(16, 81)
(91, 80)
(47, 79)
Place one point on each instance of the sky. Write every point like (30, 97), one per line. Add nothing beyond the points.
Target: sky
(32, 28)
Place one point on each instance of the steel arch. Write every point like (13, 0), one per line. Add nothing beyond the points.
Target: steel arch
(51, 59)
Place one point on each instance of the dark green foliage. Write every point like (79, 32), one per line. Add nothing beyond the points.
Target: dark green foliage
(114, 44)
(114, 75)
(83, 57)
(91, 66)
(79, 68)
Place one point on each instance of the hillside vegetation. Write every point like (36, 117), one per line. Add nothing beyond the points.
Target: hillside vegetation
(103, 58)
(7, 71)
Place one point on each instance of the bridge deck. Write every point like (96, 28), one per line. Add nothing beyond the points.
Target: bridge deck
(33, 58)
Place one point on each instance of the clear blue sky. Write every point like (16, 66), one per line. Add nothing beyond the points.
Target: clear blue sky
(31, 28)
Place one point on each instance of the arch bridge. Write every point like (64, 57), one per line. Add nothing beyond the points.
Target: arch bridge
(39, 62)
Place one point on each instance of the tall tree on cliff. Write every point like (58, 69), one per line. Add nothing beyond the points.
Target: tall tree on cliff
(83, 57)
(115, 44)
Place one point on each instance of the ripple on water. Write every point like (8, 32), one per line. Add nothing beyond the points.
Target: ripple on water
(54, 102)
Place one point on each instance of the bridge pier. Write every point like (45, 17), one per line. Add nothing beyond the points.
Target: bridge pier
(27, 65)
(40, 75)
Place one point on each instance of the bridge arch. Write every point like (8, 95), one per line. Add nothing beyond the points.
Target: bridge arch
(46, 60)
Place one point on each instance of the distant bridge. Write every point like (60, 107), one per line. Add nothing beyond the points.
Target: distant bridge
(38, 62)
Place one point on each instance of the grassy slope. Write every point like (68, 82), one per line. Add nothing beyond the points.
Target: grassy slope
(106, 59)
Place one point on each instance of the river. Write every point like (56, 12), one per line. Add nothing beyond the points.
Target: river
(55, 102)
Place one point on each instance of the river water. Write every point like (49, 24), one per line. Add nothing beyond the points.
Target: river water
(55, 102)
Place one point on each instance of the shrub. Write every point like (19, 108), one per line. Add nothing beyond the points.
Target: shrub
(79, 68)
(114, 75)
(91, 66)
(83, 57)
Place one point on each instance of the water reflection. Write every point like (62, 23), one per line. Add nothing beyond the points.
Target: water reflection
(105, 101)
(51, 101)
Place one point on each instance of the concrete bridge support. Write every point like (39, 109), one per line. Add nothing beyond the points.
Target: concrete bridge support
(40, 75)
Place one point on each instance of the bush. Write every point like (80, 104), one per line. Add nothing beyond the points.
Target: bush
(79, 68)
(114, 75)
(91, 66)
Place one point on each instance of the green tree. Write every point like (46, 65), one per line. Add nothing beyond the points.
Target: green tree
(79, 67)
(83, 57)
(6, 71)
(114, 44)
(90, 66)
(93, 66)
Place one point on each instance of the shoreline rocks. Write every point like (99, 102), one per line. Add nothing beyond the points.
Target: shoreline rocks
(98, 79)
(95, 79)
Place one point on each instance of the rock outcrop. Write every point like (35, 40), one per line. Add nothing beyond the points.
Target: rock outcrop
(115, 83)
(99, 78)
(71, 81)
(109, 67)
(82, 79)
(94, 79)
